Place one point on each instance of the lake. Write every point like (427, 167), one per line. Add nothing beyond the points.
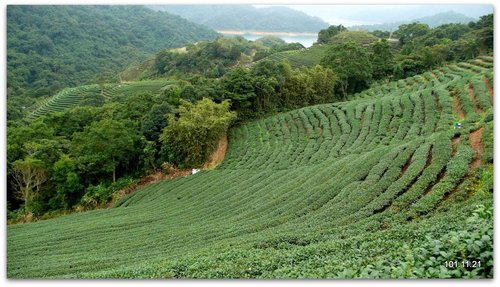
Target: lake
(306, 39)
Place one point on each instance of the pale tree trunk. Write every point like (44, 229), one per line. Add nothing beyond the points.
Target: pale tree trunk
(114, 170)
(29, 177)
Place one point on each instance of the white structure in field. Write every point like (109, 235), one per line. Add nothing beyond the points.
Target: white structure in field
(194, 170)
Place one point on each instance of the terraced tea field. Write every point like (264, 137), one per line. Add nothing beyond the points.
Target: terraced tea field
(72, 97)
(360, 188)
(298, 58)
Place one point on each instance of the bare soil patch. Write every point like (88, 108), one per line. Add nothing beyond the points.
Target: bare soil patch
(475, 142)
(454, 143)
(218, 155)
(457, 108)
(472, 97)
(489, 88)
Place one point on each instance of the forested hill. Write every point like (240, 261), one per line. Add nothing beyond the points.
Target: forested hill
(247, 17)
(433, 21)
(52, 47)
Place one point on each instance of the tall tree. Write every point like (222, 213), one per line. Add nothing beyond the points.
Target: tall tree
(351, 63)
(190, 138)
(104, 145)
(382, 60)
(408, 32)
(237, 85)
(325, 35)
(29, 174)
(66, 182)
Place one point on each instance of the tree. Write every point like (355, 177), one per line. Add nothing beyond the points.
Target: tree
(409, 65)
(325, 35)
(323, 82)
(155, 120)
(29, 174)
(484, 32)
(464, 49)
(351, 63)
(408, 32)
(66, 182)
(267, 80)
(103, 145)
(382, 60)
(381, 34)
(237, 85)
(190, 138)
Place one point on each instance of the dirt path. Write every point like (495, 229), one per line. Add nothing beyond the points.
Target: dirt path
(489, 88)
(218, 155)
(457, 108)
(454, 143)
(405, 166)
(475, 143)
(472, 97)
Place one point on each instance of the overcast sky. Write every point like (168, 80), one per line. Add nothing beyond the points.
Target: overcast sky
(376, 14)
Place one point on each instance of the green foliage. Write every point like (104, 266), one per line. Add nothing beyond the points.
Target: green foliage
(381, 34)
(53, 47)
(269, 87)
(104, 145)
(67, 183)
(382, 60)
(29, 174)
(309, 57)
(461, 250)
(377, 186)
(380, 182)
(206, 58)
(102, 194)
(155, 121)
(191, 137)
(408, 32)
(362, 38)
(325, 35)
(276, 48)
(424, 48)
(84, 95)
(351, 63)
(271, 41)
(484, 32)
(238, 88)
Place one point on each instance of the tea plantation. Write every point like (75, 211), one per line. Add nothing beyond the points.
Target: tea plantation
(95, 95)
(380, 186)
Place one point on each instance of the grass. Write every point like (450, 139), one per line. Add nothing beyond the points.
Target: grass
(372, 187)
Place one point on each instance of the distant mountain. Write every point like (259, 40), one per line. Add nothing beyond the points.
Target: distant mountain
(52, 47)
(432, 21)
(377, 14)
(247, 17)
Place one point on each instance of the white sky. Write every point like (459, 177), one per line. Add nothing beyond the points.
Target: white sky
(373, 14)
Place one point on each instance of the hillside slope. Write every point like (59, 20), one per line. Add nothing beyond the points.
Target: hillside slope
(53, 47)
(95, 95)
(348, 189)
(433, 21)
(247, 17)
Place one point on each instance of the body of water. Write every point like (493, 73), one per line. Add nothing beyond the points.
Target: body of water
(306, 39)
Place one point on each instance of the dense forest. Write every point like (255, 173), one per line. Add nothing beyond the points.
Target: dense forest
(53, 47)
(152, 117)
(246, 17)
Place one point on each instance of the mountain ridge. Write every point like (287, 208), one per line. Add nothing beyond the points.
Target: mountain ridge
(247, 17)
